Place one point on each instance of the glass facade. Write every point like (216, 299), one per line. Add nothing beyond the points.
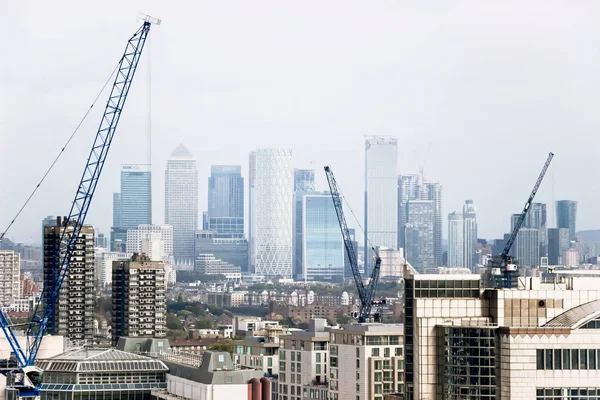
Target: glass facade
(322, 244)
(181, 201)
(136, 196)
(419, 234)
(381, 195)
(232, 251)
(566, 216)
(226, 201)
(271, 197)
(528, 247)
(304, 180)
(568, 393)
(469, 235)
(469, 368)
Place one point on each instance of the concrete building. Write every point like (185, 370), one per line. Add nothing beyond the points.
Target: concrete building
(231, 250)
(103, 260)
(381, 195)
(226, 201)
(318, 245)
(74, 313)
(455, 240)
(571, 258)
(392, 264)
(419, 233)
(303, 361)
(366, 361)
(208, 264)
(181, 201)
(157, 238)
(259, 352)
(271, 195)
(304, 180)
(469, 235)
(10, 274)
(139, 307)
(566, 217)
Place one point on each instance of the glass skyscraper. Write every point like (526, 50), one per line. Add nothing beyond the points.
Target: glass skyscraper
(381, 195)
(566, 216)
(136, 196)
(304, 180)
(226, 201)
(181, 201)
(318, 243)
(271, 197)
(419, 234)
(469, 235)
(455, 240)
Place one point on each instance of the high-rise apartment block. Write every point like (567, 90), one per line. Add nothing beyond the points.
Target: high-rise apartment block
(419, 249)
(271, 198)
(381, 195)
(139, 307)
(318, 245)
(10, 273)
(74, 312)
(366, 361)
(566, 216)
(304, 180)
(226, 201)
(181, 201)
(469, 235)
(455, 240)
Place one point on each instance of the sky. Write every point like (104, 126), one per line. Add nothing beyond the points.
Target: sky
(477, 93)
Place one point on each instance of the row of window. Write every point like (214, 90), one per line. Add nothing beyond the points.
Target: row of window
(568, 394)
(568, 359)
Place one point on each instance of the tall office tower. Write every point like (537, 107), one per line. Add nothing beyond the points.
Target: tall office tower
(118, 235)
(231, 250)
(164, 233)
(528, 247)
(381, 195)
(455, 240)
(318, 244)
(470, 235)
(226, 201)
(410, 187)
(181, 201)
(566, 216)
(304, 180)
(553, 246)
(101, 241)
(271, 198)
(117, 210)
(10, 273)
(139, 308)
(74, 313)
(136, 195)
(433, 192)
(419, 234)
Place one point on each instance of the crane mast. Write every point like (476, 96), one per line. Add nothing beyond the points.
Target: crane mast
(72, 226)
(503, 261)
(365, 294)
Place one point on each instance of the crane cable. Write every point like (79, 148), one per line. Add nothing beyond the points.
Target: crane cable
(60, 153)
(355, 218)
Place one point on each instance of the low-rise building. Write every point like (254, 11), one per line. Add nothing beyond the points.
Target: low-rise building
(259, 352)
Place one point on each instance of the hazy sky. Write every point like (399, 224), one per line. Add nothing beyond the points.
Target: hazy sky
(478, 92)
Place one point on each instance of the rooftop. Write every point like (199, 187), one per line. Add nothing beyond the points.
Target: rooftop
(181, 153)
(97, 360)
(575, 317)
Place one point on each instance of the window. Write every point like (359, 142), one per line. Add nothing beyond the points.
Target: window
(358, 352)
(548, 357)
(318, 357)
(298, 356)
(557, 359)
(378, 376)
(293, 356)
(333, 361)
(398, 351)
(269, 361)
(318, 370)
(566, 356)
(386, 352)
(374, 352)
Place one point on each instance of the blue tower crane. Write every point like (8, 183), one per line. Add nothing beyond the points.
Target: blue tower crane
(365, 294)
(503, 263)
(27, 377)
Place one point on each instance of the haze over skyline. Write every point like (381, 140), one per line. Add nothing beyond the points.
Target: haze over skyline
(478, 93)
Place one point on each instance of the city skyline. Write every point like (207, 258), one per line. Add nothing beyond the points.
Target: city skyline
(296, 121)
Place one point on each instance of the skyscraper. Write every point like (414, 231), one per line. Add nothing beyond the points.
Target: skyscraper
(433, 192)
(528, 247)
(381, 195)
(410, 187)
(181, 201)
(419, 234)
(117, 210)
(271, 197)
(566, 216)
(537, 219)
(455, 240)
(318, 244)
(74, 312)
(10, 272)
(470, 235)
(226, 201)
(304, 180)
(136, 196)
(164, 233)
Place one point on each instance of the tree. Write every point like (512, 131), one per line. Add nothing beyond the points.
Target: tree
(223, 345)
(173, 322)
(204, 323)
(180, 298)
